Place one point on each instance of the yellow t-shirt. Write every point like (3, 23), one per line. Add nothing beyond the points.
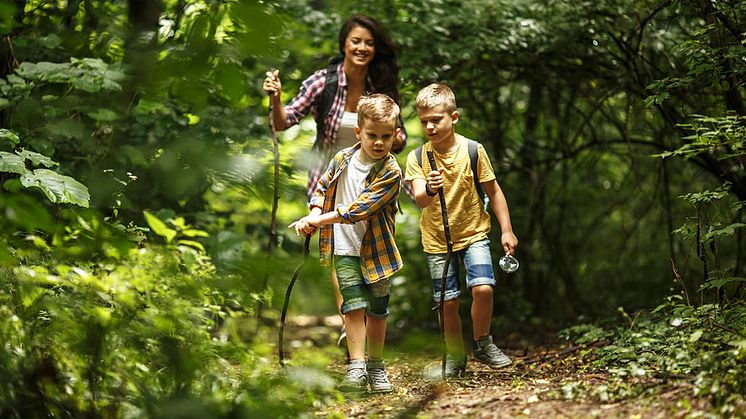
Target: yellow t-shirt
(467, 218)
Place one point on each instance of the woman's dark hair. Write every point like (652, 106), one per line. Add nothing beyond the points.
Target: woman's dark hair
(384, 69)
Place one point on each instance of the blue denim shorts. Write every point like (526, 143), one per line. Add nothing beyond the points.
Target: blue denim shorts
(357, 293)
(477, 262)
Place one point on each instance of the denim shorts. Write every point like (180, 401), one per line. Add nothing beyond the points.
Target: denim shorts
(477, 261)
(357, 293)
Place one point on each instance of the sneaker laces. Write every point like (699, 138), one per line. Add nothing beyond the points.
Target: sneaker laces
(378, 375)
(492, 351)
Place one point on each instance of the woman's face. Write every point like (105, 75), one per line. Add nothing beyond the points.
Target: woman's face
(360, 47)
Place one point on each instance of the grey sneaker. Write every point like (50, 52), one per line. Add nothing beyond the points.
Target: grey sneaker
(379, 381)
(487, 353)
(356, 378)
(455, 368)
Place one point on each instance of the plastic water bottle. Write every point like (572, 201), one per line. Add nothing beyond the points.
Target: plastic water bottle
(508, 263)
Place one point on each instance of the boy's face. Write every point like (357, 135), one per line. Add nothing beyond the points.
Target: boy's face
(437, 123)
(376, 138)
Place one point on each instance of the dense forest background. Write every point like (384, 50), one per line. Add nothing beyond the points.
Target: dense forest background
(136, 163)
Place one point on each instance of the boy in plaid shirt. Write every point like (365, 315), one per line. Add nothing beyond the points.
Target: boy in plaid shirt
(354, 206)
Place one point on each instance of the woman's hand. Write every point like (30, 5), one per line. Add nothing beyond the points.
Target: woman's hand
(272, 85)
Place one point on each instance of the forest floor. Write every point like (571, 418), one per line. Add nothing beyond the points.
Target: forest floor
(546, 380)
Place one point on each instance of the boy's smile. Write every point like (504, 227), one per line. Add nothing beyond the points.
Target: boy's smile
(437, 125)
(376, 139)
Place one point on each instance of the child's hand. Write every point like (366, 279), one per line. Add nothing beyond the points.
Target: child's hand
(509, 242)
(434, 179)
(304, 226)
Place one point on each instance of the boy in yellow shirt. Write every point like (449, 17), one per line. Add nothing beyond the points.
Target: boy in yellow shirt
(469, 223)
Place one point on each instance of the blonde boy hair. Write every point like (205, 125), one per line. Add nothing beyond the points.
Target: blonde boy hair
(377, 108)
(434, 95)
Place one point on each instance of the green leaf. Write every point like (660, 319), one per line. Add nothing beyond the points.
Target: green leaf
(104, 115)
(58, 188)
(10, 136)
(50, 41)
(725, 231)
(159, 227)
(12, 163)
(37, 159)
(192, 243)
(195, 233)
(695, 336)
(719, 283)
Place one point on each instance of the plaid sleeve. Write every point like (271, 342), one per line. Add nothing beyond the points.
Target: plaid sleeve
(303, 102)
(383, 190)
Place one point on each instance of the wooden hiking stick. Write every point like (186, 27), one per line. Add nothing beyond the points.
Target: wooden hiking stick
(275, 203)
(449, 244)
(306, 251)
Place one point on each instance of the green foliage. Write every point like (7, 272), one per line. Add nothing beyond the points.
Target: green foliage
(148, 336)
(704, 347)
(58, 188)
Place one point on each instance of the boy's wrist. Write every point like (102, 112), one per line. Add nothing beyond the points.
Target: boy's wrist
(429, 192)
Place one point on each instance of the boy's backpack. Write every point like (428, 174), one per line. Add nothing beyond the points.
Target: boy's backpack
(325, 100)
(473, 161)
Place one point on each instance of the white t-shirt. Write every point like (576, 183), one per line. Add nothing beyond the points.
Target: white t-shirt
(349, 237)
(346, 134)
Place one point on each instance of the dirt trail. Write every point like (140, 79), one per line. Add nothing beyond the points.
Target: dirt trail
(543, 382)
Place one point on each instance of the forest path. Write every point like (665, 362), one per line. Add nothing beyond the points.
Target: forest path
(544, 381)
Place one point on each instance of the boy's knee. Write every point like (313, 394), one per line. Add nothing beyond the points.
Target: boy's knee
(451, 306)
(481, 292)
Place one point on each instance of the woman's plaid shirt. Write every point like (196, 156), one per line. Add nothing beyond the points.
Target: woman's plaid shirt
(376, 205)
(305, 102)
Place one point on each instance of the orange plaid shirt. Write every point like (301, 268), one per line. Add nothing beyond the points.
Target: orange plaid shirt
(377, 205)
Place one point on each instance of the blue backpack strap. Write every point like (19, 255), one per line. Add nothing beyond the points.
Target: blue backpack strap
(325, 100)
(418, 154)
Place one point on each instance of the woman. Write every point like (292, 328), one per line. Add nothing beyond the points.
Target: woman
(367, 64)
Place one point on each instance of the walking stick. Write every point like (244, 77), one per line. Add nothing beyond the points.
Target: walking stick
(306, 251)
(273, 220)
(449, 244)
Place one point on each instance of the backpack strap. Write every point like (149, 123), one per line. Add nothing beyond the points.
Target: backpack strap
(325, 100)
(474, 162)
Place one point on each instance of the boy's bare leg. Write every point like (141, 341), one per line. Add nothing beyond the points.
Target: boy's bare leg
(355, 326)
(376, 329)
(452, 325)
(481, 310)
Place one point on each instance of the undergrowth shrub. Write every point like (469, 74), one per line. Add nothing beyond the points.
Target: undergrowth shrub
(148, 336)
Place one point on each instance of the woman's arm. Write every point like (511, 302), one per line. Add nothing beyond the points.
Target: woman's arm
(284, 117)
(273, 87)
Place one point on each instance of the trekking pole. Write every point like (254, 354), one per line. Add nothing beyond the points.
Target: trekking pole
(306, 251)
(275, 204)
(449, 244)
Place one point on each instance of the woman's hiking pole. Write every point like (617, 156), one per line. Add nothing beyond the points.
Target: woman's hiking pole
(273, 220)
(306, 251)
(449, 244)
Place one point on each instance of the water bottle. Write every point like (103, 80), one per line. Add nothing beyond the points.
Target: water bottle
(508, 263)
